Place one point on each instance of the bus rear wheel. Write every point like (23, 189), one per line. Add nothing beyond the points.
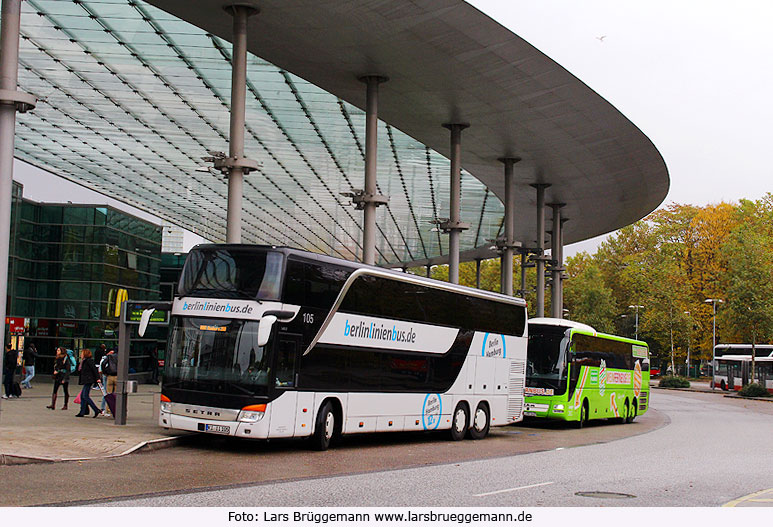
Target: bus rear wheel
(481, 422)
(324, 427)
(633, 411)
(459, 422)
(623, 419)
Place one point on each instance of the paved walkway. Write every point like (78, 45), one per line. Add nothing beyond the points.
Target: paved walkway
(29, 432)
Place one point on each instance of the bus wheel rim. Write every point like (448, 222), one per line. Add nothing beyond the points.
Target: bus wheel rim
(329, 425)
(480, 420)
(459, 420)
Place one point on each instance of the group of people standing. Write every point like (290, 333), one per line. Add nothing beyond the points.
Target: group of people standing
(65, 365)
(89, 374)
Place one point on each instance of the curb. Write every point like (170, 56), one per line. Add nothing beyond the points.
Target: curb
(696, 390)
(765, 399)
(150, 445)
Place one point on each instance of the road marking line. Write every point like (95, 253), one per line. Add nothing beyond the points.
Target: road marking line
(513, 489)
(749, 497)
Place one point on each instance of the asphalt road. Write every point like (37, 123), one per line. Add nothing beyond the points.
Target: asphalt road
(690, 449)
(713, 451)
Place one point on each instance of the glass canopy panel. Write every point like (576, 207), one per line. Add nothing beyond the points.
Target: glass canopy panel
(131, 99)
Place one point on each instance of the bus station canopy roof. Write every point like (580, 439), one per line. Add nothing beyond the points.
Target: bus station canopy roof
(133, 95)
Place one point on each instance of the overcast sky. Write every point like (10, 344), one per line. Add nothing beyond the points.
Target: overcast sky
(695, 76)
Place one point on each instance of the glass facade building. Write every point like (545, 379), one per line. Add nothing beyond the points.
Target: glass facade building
(70, 267)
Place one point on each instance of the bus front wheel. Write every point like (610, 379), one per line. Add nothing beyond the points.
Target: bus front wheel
(459, 422)
(324, 427)
(481, 422)
(584, 413)
(723, 386)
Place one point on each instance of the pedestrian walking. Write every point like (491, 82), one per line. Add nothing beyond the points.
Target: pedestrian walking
(61, 377)
(30, 354)
(9, 368)
(88, 377)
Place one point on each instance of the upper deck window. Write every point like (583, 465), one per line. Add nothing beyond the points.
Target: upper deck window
(232, 273)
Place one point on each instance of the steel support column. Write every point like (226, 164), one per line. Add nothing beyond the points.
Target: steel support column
(429, 270)
(368, 199)
(557, 266)
(540, 308)
(507, 255)
(11, 100)
(524, 256)
(454, 225)
(561, 265)
(236, 165)
(477, 273)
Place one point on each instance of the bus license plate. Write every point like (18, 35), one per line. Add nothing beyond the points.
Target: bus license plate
(217, 429)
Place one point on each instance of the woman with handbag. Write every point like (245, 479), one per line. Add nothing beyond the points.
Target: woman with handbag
(88, 377)
(61, 377)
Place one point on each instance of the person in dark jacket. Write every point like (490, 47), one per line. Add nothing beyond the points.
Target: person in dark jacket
(61, 377)
(30, 354)
(88, 377)
(9, 366)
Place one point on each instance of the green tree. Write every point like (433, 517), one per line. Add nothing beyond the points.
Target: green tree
(749, 285)
(586, 296)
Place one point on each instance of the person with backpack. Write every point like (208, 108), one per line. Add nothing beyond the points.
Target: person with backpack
(103, 372)
(30, 354)
(111, 370)
(88, 377)
(61, 377)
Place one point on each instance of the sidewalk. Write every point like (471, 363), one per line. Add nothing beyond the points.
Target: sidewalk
(31, 433)
(705, 387)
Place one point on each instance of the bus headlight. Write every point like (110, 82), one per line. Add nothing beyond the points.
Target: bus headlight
(252, 413)
(166, 404)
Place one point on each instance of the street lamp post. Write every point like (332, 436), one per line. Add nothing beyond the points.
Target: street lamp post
(689, 330)
(636, 331)
(713, 302)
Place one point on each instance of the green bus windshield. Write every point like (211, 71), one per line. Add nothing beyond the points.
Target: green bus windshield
(547, 358)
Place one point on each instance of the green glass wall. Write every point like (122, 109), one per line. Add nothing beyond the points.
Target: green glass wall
(69, 266)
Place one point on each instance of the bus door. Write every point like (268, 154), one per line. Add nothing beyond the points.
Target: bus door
(731, 366)
(287, 347)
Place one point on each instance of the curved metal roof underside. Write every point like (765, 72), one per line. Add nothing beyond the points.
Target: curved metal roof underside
(132, 98)
(448, 62)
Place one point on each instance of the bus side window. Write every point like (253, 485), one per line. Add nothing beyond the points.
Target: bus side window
(285, 364)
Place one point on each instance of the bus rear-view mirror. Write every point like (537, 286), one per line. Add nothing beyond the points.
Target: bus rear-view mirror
(144, 320)
(264, 329)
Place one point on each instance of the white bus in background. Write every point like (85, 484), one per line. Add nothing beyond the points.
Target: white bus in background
(733, 363)
(270, 342)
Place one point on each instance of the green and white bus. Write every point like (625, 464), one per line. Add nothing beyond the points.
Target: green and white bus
(574, 373)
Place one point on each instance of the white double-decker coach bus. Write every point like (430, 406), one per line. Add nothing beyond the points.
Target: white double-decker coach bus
(270, 342)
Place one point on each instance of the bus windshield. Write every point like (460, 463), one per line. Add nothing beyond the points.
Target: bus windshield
(232, 273)
(546, 358)
(217, 356)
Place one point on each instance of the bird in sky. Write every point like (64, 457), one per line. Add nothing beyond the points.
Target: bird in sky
(601, 38)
